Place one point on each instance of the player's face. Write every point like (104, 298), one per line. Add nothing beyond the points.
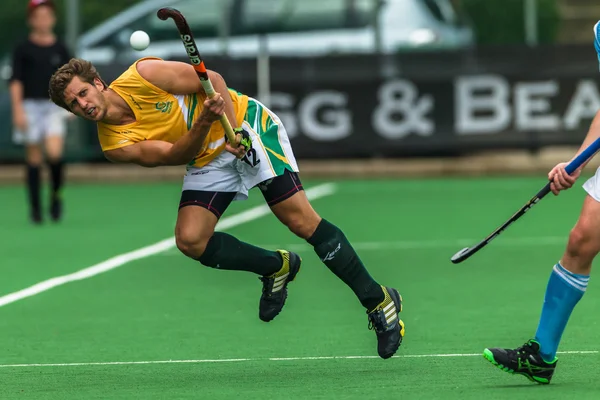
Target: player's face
(86, 100)
(42, 19)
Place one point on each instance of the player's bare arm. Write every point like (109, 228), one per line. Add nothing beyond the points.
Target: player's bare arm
(592, 135)
(16, 96)
(180, 78)
(561, 180)
(154, 153)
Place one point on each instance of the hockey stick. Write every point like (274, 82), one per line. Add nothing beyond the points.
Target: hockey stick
(192, 50)
(585, 155)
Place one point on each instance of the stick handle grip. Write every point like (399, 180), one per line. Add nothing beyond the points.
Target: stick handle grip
(210, 92)
(584, 156)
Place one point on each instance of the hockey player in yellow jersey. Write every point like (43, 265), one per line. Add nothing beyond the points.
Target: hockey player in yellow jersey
(156, 113)
(167, 116)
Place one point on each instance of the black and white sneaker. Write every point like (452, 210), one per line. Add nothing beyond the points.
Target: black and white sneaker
(274, 292)
(386, 323)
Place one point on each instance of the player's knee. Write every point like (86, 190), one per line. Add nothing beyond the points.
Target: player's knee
(34, 155)
(582, 244)
(191, 242)
(302, 225)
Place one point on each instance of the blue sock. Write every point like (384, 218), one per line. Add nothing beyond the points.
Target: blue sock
(563, 292)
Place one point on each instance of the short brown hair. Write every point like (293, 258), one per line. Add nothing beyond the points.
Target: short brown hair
(59, 81)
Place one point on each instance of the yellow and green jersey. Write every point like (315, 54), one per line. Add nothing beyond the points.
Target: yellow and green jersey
(160, 115)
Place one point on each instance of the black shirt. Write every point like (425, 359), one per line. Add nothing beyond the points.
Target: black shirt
(34, 65)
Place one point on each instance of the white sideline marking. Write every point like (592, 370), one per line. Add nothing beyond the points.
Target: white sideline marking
(422, 244)
(316, 192)
(432, 244)
(230, 360)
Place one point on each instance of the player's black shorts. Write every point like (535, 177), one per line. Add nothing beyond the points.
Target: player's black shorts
(274, 190)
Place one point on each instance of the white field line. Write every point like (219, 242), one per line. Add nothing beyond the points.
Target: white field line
(237, 360)
(422, 244)
(316, 192)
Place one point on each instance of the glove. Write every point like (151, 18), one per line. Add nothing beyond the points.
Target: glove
(245, 141)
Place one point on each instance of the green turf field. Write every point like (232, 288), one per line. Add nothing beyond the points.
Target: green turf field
(164, 327)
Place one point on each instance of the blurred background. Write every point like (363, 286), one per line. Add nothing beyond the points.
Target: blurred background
(423, 124)
(359, 79)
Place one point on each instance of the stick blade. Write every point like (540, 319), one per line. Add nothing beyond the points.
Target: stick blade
(462, 255)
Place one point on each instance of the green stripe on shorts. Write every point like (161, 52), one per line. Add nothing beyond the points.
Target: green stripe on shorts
(250, 116)
(269, 136)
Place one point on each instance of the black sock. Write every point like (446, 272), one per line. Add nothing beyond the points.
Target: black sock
(33, 189)
(57, 176)
(224, 251)
(337, 253)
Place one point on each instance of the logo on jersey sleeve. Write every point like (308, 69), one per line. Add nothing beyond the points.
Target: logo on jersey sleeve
(164, 106)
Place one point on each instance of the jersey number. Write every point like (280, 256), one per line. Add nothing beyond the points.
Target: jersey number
(250, 158)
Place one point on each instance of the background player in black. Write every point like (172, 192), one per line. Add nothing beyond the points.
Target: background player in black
(36, 120)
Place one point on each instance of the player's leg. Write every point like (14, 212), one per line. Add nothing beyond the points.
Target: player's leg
(54, 152)
(195, 236)
(54, 144)
(382, 304)
(569, 278)
(329, 242)
(33, 159)
(566, 286)
(206, 194)
(271, 165)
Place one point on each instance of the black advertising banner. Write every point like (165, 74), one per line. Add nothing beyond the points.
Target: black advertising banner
(425, 104)
(402, 117)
